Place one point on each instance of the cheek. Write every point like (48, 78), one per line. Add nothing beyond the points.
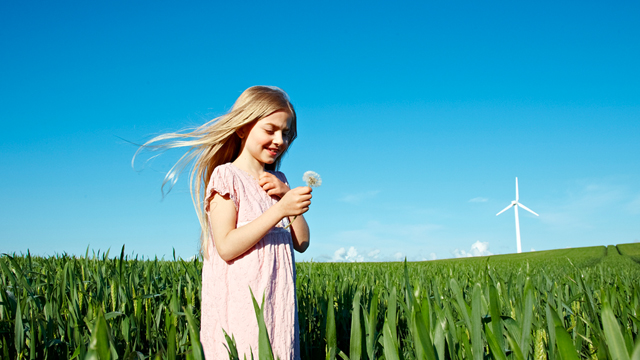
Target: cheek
(260, 140)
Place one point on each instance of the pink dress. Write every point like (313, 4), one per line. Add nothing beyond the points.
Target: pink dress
(268, 268)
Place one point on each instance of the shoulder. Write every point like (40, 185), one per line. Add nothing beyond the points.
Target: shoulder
(224, 169)
(223, 181)
(225, 173)
(225, 177)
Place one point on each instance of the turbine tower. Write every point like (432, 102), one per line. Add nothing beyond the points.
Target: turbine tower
(515, 205)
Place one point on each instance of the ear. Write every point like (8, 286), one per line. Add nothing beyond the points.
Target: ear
(244, 130)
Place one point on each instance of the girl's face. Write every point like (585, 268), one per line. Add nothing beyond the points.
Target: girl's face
(268, 138)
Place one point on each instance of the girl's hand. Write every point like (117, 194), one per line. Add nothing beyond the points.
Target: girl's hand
(272, 185)
(295, 202)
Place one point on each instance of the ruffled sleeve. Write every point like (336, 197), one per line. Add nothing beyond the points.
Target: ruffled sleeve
(223, 182)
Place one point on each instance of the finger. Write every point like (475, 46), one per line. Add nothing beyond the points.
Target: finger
(303, 190)
(305, 204)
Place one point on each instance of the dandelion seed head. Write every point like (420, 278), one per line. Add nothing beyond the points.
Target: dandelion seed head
(312, 179)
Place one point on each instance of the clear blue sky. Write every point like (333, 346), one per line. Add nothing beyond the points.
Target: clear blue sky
(418, 115)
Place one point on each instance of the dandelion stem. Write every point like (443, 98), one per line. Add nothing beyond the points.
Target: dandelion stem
(288, 225)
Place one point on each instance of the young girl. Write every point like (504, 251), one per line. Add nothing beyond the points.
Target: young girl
(243, 214)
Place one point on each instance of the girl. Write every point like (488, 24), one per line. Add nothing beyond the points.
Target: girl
(243, 213)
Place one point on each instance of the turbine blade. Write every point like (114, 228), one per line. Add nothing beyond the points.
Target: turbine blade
(505, 209)
(516, 189)
(526, 208)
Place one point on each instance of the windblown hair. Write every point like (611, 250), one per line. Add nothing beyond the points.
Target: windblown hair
(217, 142)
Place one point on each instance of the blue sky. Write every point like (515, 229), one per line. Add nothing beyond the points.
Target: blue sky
(418, 116)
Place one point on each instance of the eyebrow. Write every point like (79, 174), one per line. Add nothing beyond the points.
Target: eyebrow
(276, 126)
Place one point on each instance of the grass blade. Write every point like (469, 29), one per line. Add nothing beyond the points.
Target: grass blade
(422, 337)
(372, 322)
(565, 345)
(496, 350)
(331, 336)
(612, 333)
(527, 320)
(390, 345)
(355, 349)
(392, 314)
(264, 345)
(462, 305)
(18, 329)
(99, 345)
(551, 325)
(194, 332)
(496, 321)
(477, 344)
(515, 349)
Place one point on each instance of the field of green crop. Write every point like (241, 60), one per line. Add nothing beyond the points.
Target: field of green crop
(556, 305)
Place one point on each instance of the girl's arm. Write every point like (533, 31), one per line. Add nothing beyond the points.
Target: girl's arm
(232, 242)
(299, 229)
(300, 234)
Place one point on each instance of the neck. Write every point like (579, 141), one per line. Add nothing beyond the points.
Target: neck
(250, 165)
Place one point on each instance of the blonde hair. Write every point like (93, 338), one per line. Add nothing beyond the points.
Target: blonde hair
(217, 142)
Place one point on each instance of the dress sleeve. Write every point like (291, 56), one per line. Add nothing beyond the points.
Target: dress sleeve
(223, 182)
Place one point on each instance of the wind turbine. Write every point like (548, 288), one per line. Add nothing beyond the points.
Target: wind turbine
(515, 205)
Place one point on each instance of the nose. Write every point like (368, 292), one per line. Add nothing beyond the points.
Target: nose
(277, 138)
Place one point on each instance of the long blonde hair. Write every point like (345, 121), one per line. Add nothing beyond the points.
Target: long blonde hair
(217, 142)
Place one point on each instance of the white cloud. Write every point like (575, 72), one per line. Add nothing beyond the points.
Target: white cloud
(460, 253)
(479, 199)
(477, 249)
(338, 255)
(359, 197)
(377, 241)
(532, 249)
(352, 255)
(357, 254)
(374, 254)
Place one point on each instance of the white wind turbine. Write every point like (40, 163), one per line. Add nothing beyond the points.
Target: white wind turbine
(515, 205)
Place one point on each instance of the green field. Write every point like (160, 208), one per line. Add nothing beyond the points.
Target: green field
(556, 305)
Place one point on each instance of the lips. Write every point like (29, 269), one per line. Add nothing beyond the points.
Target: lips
(272, 152)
